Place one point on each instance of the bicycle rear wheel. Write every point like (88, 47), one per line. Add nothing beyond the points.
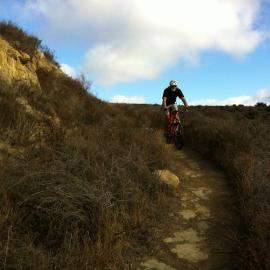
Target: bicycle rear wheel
(179, 137)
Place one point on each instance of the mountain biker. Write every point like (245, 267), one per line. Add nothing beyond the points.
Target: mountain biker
(169, 98)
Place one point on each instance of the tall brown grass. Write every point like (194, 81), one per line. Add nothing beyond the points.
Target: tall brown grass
(76, 195)
(237, 139)
(77, 189)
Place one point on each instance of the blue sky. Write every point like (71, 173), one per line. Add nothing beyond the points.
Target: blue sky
(218, 50)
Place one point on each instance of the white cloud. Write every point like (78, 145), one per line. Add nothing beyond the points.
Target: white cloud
(128, 99)
(139, 39)
(72, 72)
(262, 95)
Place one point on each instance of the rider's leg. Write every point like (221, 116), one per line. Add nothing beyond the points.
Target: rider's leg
(177, 116)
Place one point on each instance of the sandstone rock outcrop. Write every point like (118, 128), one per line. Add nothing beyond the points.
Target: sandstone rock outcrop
(18, 67)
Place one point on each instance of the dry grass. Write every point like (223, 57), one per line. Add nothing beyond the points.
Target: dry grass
(237, 139)
(79, 193)
(22, 41)
(82, 195)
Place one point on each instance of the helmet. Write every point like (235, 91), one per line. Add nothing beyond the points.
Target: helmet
(173, 83)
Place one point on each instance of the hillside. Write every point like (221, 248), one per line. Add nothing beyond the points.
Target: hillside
(77, 184)
(78, 188)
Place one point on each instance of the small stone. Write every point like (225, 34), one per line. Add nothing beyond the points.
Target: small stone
(190, 252)
(202, 193)
(189, 235)
(187, 214)
(203, 226)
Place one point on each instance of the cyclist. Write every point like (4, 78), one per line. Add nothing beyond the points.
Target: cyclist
(169, 98)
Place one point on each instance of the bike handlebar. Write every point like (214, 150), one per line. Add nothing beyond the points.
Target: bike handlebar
(169, 106)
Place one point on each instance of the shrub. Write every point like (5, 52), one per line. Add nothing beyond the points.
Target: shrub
(25, 42)
(49, 54)
(18, 38)
(261, 104)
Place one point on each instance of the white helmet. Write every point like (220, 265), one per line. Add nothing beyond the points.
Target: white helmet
(173, 83)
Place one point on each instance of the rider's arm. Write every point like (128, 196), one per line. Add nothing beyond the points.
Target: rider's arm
(182, 97)
(185, 102)
(164, 102)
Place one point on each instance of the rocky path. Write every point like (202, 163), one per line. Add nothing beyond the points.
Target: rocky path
(202, 230)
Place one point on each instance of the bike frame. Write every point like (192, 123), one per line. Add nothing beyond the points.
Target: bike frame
(175, 129)
(173, 119)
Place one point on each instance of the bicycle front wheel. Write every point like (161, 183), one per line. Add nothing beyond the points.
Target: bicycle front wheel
(179, 137)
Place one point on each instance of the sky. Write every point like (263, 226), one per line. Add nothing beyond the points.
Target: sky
(217, 50)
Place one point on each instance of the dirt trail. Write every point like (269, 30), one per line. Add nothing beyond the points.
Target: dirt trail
(202, 229)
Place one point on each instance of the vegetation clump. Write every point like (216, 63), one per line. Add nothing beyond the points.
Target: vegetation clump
(25, 42)
(237, 139)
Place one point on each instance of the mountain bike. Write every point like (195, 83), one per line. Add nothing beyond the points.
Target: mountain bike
(175, 128)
